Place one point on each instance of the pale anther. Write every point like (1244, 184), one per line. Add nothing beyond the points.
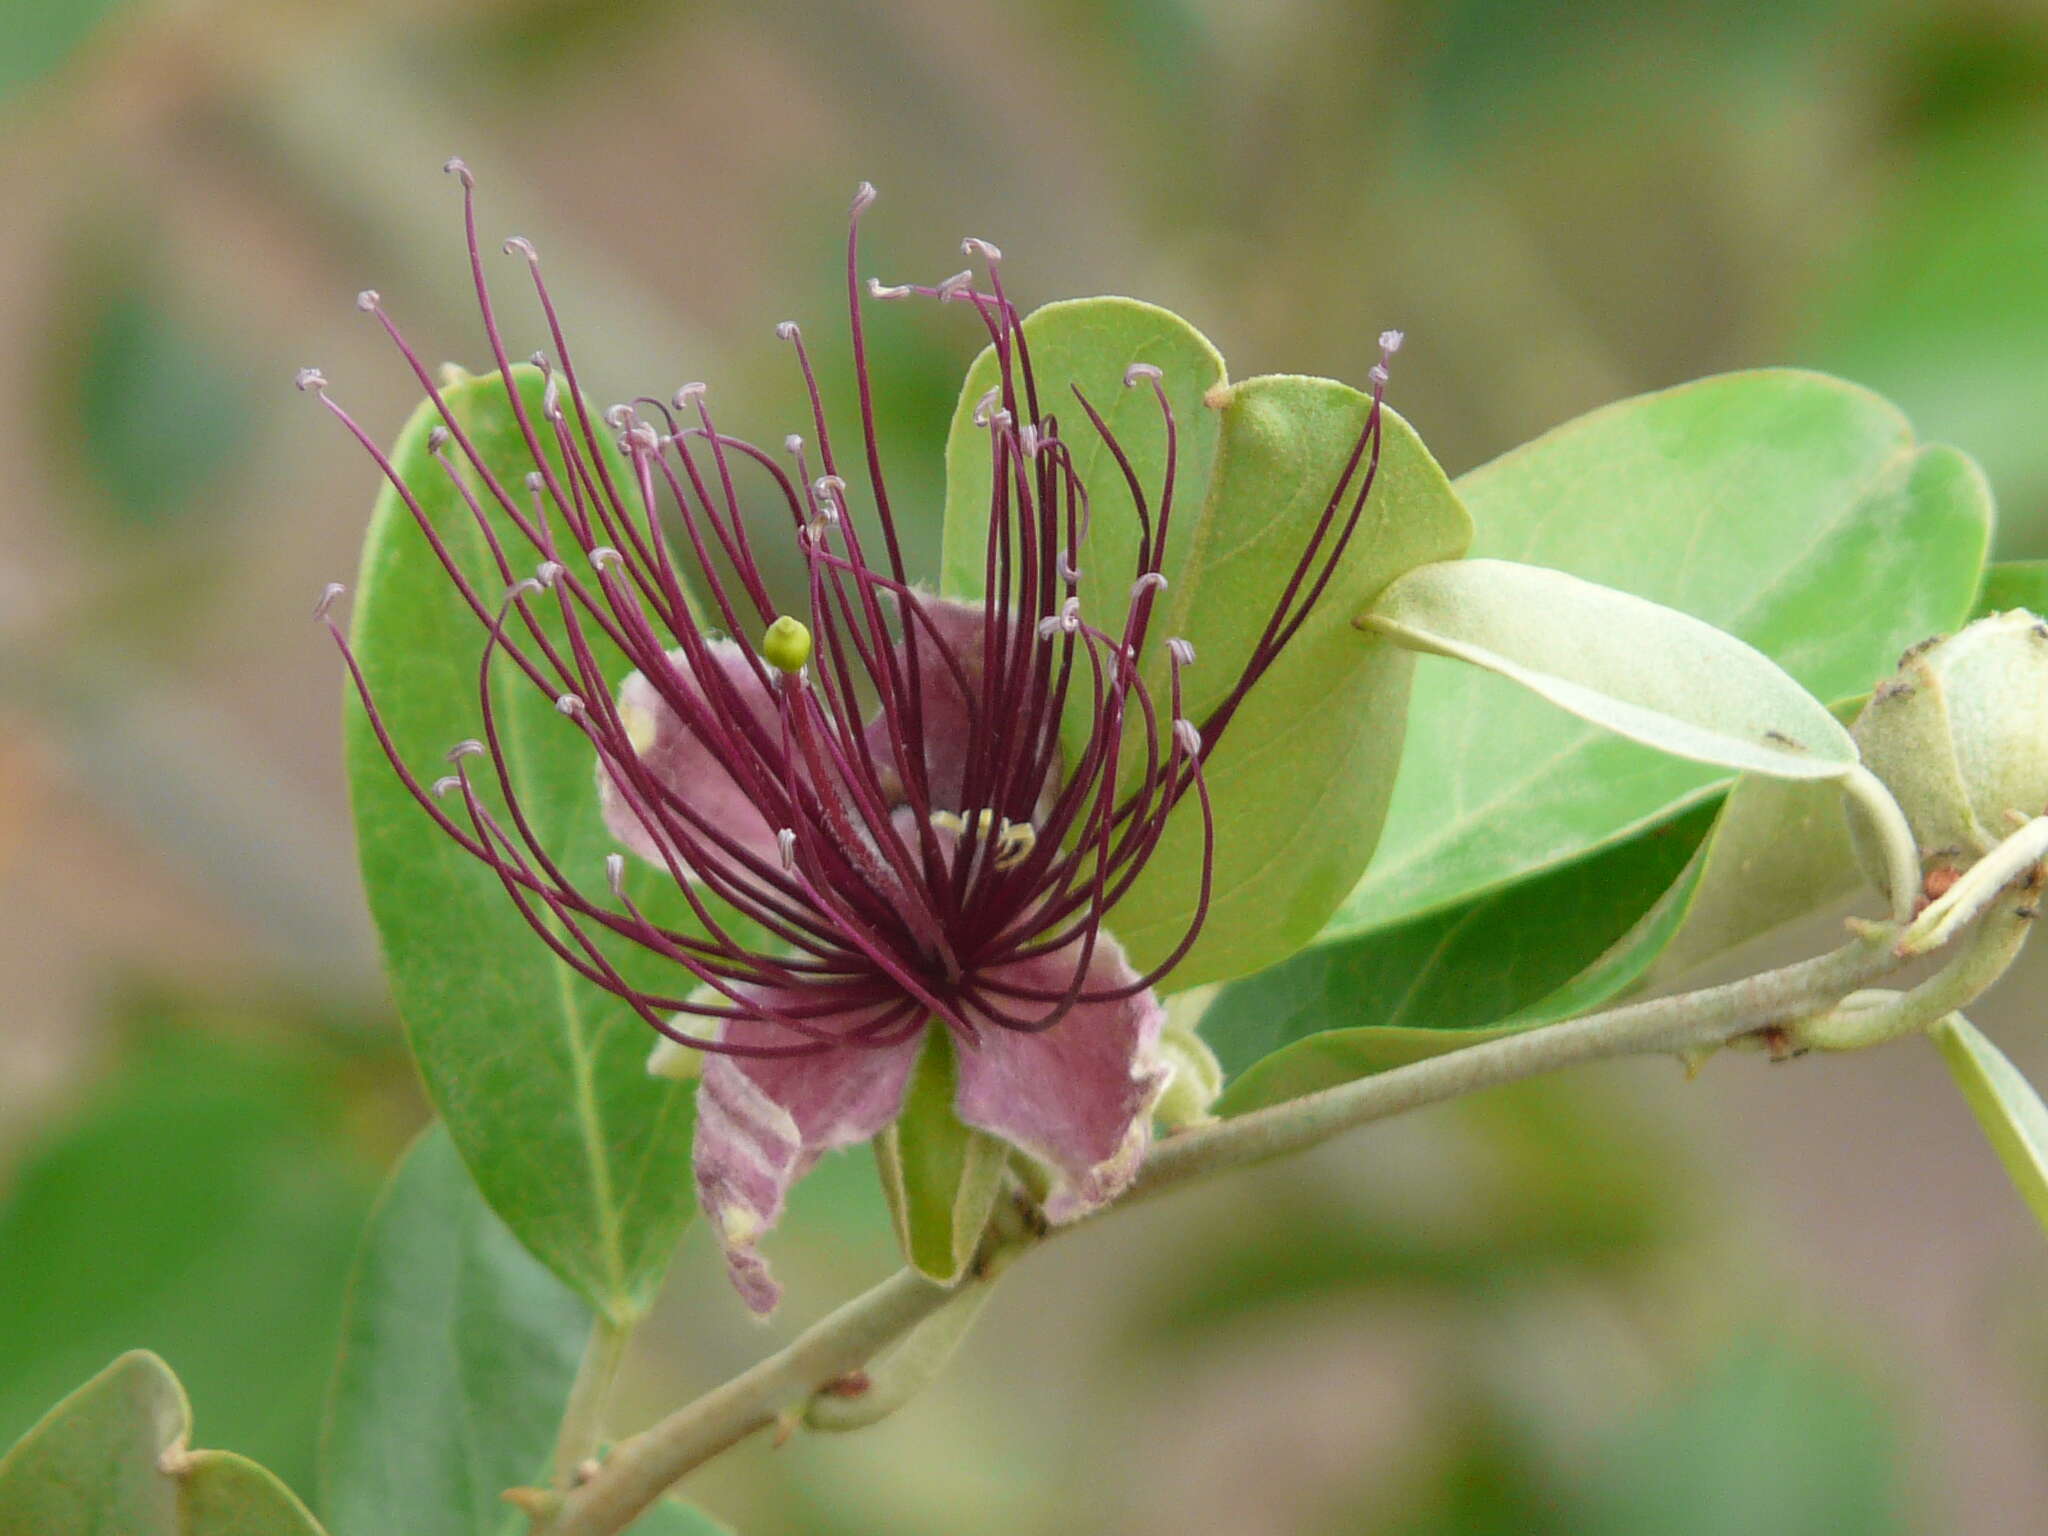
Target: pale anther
(1182, 652)
(535, 480)
(368, 300)
(549, 572)
(328, 594)
(1151, 581)
(571, 705)
(1014, 843)
(1189, 738)
(694, 390)
(1390, 341)
(786, 330)
(1139, 371)
(863, 196)
(877, 289)
(1378, 374)
(620, 417)
(437, 439)
(519, 245)
(615, 873)
(311, 378)
(446, 782)
(785, 844)
(604, 555)
(470, 747)
(985, 407)
(955, 285)
(457, 168)
(973, 247)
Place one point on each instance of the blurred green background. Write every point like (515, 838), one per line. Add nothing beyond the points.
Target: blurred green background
(1795, 1299)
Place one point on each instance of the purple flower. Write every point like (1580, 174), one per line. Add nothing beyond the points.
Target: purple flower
(925, 810)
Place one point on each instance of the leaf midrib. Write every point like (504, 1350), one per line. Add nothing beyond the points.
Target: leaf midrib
(517, 749)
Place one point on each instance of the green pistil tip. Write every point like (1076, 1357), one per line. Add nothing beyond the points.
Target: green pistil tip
(787, 645)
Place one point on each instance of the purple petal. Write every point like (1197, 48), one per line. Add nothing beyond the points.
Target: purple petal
(949, 692)
(1077, 1097)
(763, 1121)
(678, 759)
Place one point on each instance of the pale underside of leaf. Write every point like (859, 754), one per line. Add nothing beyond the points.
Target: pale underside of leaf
(1640, 669)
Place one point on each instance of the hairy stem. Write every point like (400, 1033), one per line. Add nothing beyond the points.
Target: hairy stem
(642, 1468)
(1872, 1018)
(1690, 1021)
(910, 1365)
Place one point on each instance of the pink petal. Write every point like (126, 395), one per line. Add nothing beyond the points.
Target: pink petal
(677, 758)
(948, 695)
(763, 1121)
(1077, 1097)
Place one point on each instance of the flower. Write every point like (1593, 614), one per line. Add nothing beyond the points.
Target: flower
(896, 817)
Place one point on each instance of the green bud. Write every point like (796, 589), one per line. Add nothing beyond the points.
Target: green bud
(786, 645)
(1197, 1078)
(1959, 735)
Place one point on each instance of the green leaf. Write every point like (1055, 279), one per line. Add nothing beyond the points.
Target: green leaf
(1791, 510)
(2013, 1117)
(1299, 788)
(1642, 670)
(222, 1173)
(1086, 345)
(111, 1460)
(1778, 851)
(2014, 584)
(941, 1176)
(539, 1075)
(1503, 962)
(458, 1352)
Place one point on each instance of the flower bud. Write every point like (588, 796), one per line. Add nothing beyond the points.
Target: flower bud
(1960, 736)
(1197, 1078)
